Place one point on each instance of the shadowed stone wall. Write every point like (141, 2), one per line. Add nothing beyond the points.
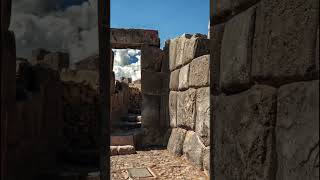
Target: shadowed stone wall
(265, 89)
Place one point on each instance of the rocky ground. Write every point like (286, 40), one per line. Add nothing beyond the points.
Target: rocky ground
(161, 162)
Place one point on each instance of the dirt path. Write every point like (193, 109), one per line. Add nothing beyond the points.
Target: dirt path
(161, 162)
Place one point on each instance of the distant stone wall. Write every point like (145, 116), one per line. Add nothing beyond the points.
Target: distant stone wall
(265, 89)
(189, 98)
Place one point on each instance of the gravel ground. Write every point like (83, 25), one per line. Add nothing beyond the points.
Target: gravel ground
(162, 163)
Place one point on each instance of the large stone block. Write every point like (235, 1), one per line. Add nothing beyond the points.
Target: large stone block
(172, 53)
(203, 115)
(174, 80)
(297, 131)
(152, 83)
(236, 52)
(193, 148)
(5, 14)
(173, 108)
(222, 10)
(196, 46)
(186, 109)
(285, 34)
(150, 110)
(199, 72)
(181, 49)
(133, 38)
(243, 132)
(57, 60)
(215, 52)
(176, 140)
(184, 77)
(151, 58)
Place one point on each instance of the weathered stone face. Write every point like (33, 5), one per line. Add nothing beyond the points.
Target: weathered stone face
(176, 140)
(297, 131)
(174, 80)
(196, 46)
(173, 108)
(133, 38)
(186, 109)
(236, 52)
(244, 133)
(151, 58)
(184, 77)
(173, 53)
(203, 115)
(181, 49)
(199, 72)
(193, 148)
(284, 49)
(152, 83)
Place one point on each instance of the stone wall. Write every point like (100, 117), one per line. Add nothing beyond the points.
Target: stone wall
(265, 89)
(189, 98)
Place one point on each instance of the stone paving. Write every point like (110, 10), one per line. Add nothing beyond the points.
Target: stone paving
(163, 164)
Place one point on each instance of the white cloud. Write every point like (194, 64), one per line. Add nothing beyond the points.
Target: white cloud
(123, 66)
(39, 24)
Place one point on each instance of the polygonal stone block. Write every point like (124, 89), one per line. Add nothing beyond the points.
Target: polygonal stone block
(184, 77)
(203, 115)
(284, 50)
(180, 54)
(297, 131)
(186, 109)
(196, 46)
(174, 80)
(172, 53)
(193, 148)
(244, 134)
(199, 72)
(236, 52)
(176, 140)
(173, 108)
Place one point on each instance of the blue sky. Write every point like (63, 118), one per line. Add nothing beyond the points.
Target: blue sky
(171, 17)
